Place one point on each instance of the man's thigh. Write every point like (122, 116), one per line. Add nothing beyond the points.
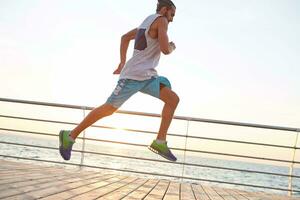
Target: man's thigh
(123, 91)
(155, 86)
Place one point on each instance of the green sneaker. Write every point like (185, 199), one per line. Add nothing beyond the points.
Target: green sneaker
(65, 144)
(163, 150)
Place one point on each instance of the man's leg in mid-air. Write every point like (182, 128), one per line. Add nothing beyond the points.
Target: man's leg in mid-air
(122, 92)
(96, 114)
(171, 101)
(67, 138)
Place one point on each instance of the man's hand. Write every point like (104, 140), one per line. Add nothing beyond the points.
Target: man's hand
(172, 46)
(119, 69)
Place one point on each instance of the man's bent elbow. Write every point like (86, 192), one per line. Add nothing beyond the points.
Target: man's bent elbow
(124, 37)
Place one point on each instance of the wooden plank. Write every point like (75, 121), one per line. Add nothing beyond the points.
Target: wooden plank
(173, 191)
(46, 191)
(143, 191)
(86, 186)
(30, 181)
(186, 192)
(200, 194)
(265, 196)
(124, 191)
(158, 191)
(236, 194)
(109, 187)
(224, 193)
(41, 189)
(11, 190)
(22, 181)
(9, 177)
(286, 197)
(212, 193)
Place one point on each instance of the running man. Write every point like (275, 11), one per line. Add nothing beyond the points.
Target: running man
(138, 74)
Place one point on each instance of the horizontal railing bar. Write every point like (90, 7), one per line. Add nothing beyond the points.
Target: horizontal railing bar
(29, 132)
(155, 160)
(40, 120)
(242, 142)
(155, 115)
(151, 132)
(195, 151)
(40, 103)
(240, 156)
(155, 174)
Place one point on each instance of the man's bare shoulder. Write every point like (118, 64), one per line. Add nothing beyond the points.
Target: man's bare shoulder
(161, 22)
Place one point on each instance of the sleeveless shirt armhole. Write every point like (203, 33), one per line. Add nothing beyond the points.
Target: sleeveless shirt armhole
(147, 30)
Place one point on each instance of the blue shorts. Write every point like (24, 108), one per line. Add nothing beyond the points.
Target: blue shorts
(128, 87)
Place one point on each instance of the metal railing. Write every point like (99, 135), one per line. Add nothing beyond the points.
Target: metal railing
(290, 176)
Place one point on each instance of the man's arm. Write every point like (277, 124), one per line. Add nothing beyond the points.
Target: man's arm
(123, 48)
(165, 46)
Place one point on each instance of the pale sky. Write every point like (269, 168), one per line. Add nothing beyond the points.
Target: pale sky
(235, 60)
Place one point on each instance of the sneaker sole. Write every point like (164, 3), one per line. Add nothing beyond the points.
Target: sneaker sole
(162, 155)
(60, 144)
(61, 138)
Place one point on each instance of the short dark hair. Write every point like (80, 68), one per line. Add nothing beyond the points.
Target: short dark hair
(163, 3)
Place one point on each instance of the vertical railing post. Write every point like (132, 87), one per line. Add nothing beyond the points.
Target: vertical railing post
(290, 192)
(184, 153)
(83, 141)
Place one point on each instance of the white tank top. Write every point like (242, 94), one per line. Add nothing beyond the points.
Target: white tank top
(146, 54)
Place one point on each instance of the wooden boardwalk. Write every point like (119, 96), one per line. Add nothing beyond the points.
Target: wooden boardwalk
(25, 181)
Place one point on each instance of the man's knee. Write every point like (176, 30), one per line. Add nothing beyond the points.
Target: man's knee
(171, 98)
(175, 99)
(109, 109)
